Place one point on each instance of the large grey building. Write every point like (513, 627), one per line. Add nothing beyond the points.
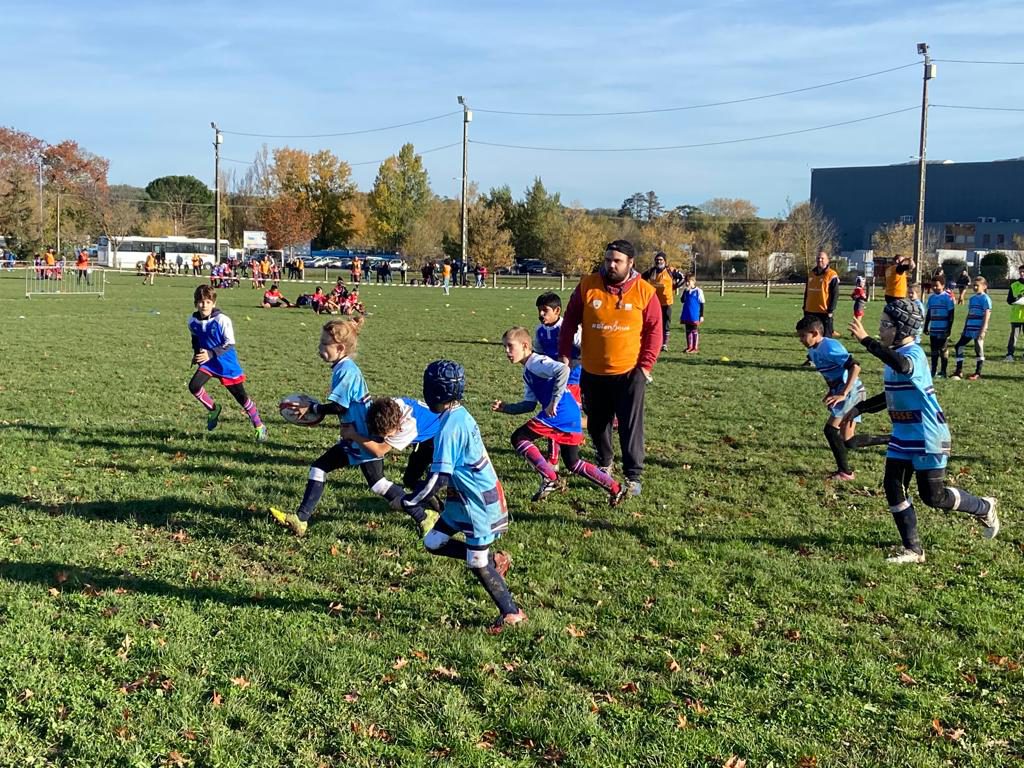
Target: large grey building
(970, 206)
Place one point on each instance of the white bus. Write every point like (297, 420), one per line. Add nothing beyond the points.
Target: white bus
(133, 250)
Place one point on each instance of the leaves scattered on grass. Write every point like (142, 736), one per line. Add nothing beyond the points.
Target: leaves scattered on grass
(945, 732)
(240, 682)
(907, 679)
(447, 673)
(574, 631)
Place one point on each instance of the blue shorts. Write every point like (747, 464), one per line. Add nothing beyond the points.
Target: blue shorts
(480, 524)
(921, 461)
(855, 398)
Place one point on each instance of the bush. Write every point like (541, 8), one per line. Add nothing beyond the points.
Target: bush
(993, 266)
(952, 268)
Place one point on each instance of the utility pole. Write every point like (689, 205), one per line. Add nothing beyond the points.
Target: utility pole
(930, 70)
(218, 139)
(58, 223)
(41, 234)
(467, 118)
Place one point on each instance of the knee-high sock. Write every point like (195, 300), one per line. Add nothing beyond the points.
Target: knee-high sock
(496, 588)
(835, 442)
(393, 494)
(314, 490)
(532, 454)
(906, 522)
(204, 397)
(254, 415)
(596, 476)
(553, 453)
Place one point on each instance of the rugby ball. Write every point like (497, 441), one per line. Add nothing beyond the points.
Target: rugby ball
(288, 404)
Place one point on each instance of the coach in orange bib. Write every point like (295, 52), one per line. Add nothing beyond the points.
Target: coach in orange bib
(620, 317)
(821, 294)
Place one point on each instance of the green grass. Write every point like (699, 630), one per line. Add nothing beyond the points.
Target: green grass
(152, 614)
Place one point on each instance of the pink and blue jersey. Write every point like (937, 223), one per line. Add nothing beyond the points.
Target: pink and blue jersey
(216, 335)
(545, 341)
(476, 501)
(348, 390)
(540, 379)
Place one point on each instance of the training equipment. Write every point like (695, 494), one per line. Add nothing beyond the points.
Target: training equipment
(289, 414)
(443, 382)
(905, 316)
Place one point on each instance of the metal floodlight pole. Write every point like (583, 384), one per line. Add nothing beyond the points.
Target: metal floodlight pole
(930, 70)
(218, 139)
(467, 118)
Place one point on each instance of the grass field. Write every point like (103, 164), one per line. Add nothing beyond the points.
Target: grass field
(151, 614)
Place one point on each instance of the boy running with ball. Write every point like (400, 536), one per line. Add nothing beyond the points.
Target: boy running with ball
(213, 350)
(920, 442)
(545, 381)
(475, 501)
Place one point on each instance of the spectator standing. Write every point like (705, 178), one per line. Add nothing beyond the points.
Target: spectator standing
(620, 317)
(82, 267)
(1015, 298)
(962, 282)
(821, 293)
(896, 275)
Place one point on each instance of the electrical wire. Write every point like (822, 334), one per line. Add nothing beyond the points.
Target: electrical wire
(343, 133)
(969, 61)
(699, 106)
(985, 109)
(701, 144)
(365, 162)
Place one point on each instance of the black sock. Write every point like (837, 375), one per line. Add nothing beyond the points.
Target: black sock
(394, 493)
(977, 367)
(451, 548)
(945, 365)
(310, 498)
(496, 588)
(835, 442)
(906, 522)
(935, 364)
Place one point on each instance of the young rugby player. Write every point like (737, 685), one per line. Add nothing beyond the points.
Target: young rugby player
(979, 311)
(475, 501)
(938, 323)
(213, 350)
(692, 315)
(920, 442)
(545, 380)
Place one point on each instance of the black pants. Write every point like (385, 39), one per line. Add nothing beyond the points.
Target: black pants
(622, 396)
(419, 462)
(940, 350)
(1016, 329)
(336, 457)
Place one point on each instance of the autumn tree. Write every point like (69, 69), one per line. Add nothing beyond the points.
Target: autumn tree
(19, 161)
(668, 234)
(489, 242)
(320, 189)
(400, 195)
(807, 231)
(437, 232)
(576, 242)
(118, 215)
(533, 220)
(767, 257)
(185, 201)
(891, 240)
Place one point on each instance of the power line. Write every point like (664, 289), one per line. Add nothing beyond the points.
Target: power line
(343, 133)
(367, 162)
(702, 144)
(699, 106)
(969, 61)
(985, 109)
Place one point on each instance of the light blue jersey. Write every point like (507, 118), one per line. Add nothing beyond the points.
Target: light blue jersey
(830, 358)
(348, 389)
(919, 431)
(977, 306)
(545, 341)
(940, 314)
(419, 424)
(476, 501)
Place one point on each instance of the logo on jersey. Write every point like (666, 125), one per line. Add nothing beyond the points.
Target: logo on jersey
(596, 303)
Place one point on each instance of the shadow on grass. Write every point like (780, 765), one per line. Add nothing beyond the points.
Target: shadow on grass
(95, 580)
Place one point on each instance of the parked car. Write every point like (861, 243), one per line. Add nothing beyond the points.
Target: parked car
(531, 267)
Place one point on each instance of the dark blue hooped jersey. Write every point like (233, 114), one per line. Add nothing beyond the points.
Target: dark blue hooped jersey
(940, 311)
(545, 341)
(918, 423)
(977, 306)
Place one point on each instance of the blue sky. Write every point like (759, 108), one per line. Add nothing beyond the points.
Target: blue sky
(140, 82)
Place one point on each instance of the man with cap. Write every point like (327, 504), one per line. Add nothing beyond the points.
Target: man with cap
(620, 320)
(666, 282)
(1015, 298)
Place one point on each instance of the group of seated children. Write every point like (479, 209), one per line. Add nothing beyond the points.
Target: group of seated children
(340, 301)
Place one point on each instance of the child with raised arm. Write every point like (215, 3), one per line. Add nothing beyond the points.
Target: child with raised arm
(544, 384)
(213, 350)
(938, 323)
(475, 501)
(920, 441)
(979, 311)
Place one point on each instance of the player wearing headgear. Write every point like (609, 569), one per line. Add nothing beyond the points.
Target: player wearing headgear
(920, 442)
(938, 323)
(348, 400)
(979, 311)
(213, 350)
(544, 382)
(666, 282)
(842, 375)
(475, 501)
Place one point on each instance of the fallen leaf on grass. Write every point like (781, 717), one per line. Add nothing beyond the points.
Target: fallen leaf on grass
(334, 609)
(440, 753)
(181, 536)
(487, 739)
(574, 631)
(91, 591)
(673, 665)
(352, 696)
(445, 672)
(110, 611)
(421, 655)
(907, 679)
(399, 663)
(808, 761)
(629, 687)
(334, 550)
(682, 722)
(126, 646)
(792, 635)
(25, 695)
(969, 678)
(175, 758)
(587, 533)
(179, 456)
(53, 592)
(241, 682)
(216, 699)
(188, 734)
(1003, 661)
(649, 602)
(696, 706)
(734, 761)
